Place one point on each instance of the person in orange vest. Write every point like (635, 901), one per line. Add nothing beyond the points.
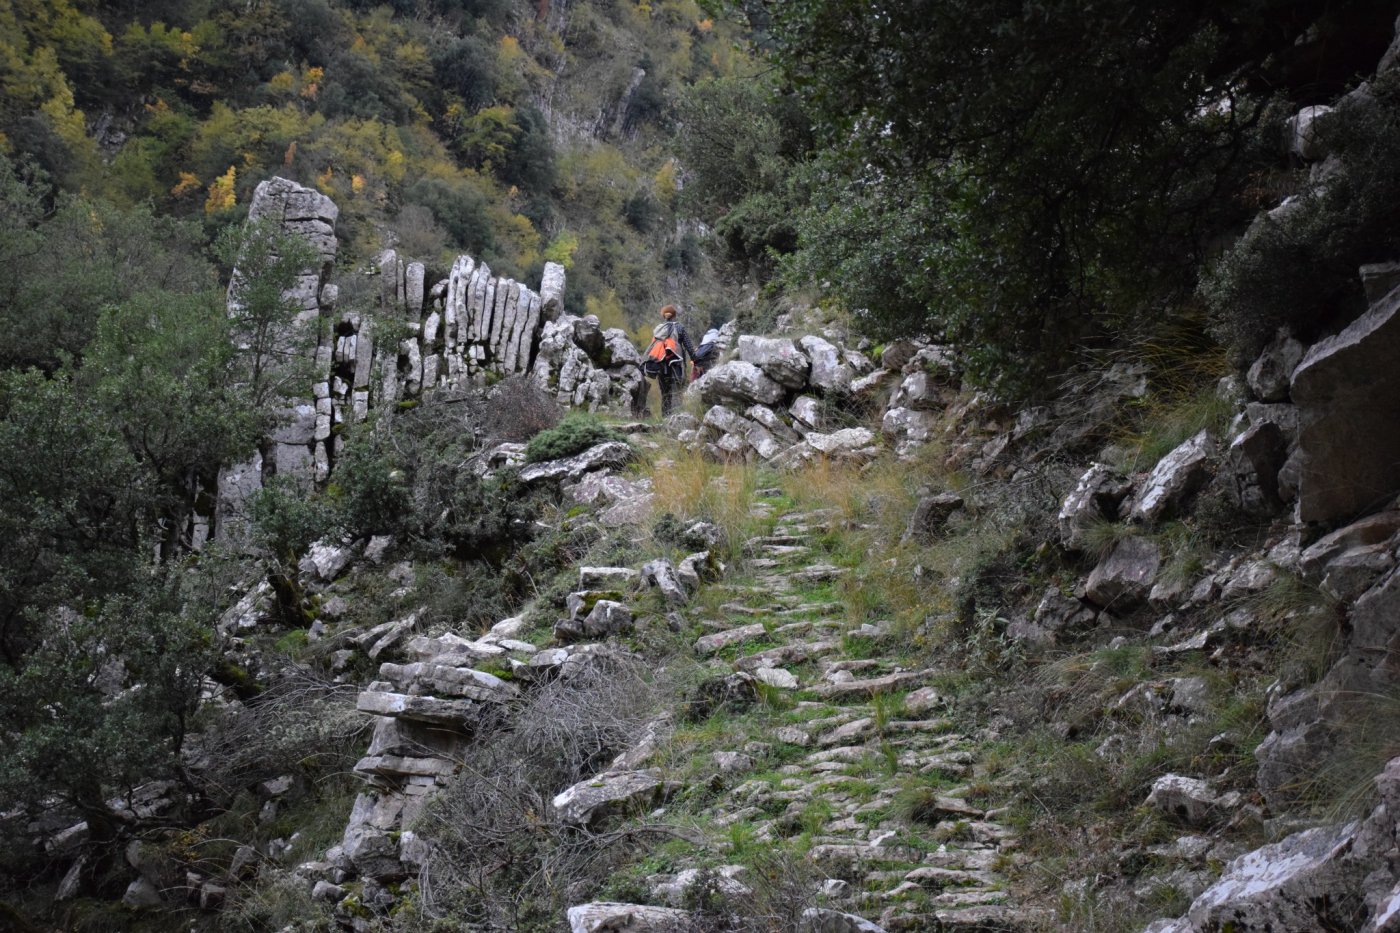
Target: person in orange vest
(665, 358)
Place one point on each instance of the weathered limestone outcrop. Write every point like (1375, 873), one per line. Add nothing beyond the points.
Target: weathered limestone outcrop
(1329, 878)
(464, 332)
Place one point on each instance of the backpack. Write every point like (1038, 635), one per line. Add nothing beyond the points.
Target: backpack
(664, 345)
(708, 345)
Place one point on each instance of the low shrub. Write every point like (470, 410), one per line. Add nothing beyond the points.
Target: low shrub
(573, 435)
(516, 410)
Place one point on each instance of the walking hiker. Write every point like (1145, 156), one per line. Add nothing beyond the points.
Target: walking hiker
(705, 354)
(665, 358)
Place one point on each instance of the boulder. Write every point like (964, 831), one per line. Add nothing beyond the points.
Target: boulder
(1123, 579)
(1304, 140)
(605, 618)
(872, 392)
(776, 677)
(919, 392)
(1378, 529)
(608, 794)
(588, 336)
(1300, 883)
(806, 413)
(366, 845)
(897, 353)
(703, 535)
(1057, 612)
(770, 421)
(686, 884)
(1187, 800)
(738, 381)
(606, 578)
(930, 515)
(1351, 573)
(1175, 477)
(1271, 373)
(1378, 279)
(1095, 499)
(696, 569)
(402, 738)
(1288, 762)
(778, 358)
(723, 420)
(838, 443)
(1251, 468)
(603, 487)
(830, 374)
(326, 560)
(1349, 426)
(552, 284)
(443, 678)
(420, 708)
(908, 428)
(661, 573)
(605, 917)
(141, 893)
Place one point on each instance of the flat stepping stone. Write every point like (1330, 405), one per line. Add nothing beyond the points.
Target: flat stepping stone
(871, 687)
(846, 754)
(792, 736)
(816, 609)
(786, 655)
(710, 644)
(939, 878)
(776, 540)
(777, 677)
(956, 899)
(779, 551)
(819, 573)
(978, 859)
(990, 918)
(860, 728)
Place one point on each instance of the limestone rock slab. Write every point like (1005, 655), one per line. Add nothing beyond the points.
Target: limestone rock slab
(1349, 426)
(608, 794)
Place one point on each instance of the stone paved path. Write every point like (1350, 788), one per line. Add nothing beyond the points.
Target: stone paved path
(882, 781)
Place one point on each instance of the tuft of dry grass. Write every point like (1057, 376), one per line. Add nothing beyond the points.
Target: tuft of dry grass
(692, 488)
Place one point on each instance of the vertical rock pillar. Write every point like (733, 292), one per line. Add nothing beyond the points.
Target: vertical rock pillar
(297, 447)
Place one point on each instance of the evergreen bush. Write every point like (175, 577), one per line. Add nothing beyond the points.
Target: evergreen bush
(573, 435)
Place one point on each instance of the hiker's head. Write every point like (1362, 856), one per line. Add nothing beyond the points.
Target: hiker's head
(669, 312)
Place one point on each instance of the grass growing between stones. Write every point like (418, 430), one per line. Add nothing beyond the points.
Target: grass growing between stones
(692, 488)
(1343, 785)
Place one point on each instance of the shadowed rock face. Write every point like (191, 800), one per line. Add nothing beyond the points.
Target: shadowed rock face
(1349, 426)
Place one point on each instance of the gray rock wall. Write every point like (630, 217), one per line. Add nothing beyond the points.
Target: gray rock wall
(462, 333)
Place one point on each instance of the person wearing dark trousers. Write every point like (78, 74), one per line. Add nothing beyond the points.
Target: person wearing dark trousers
(666, 357)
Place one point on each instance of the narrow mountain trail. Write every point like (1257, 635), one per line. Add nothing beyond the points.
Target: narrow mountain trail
(882, 783)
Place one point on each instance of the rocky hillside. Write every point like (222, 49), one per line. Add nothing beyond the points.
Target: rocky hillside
(458, 641)
(847, 648)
